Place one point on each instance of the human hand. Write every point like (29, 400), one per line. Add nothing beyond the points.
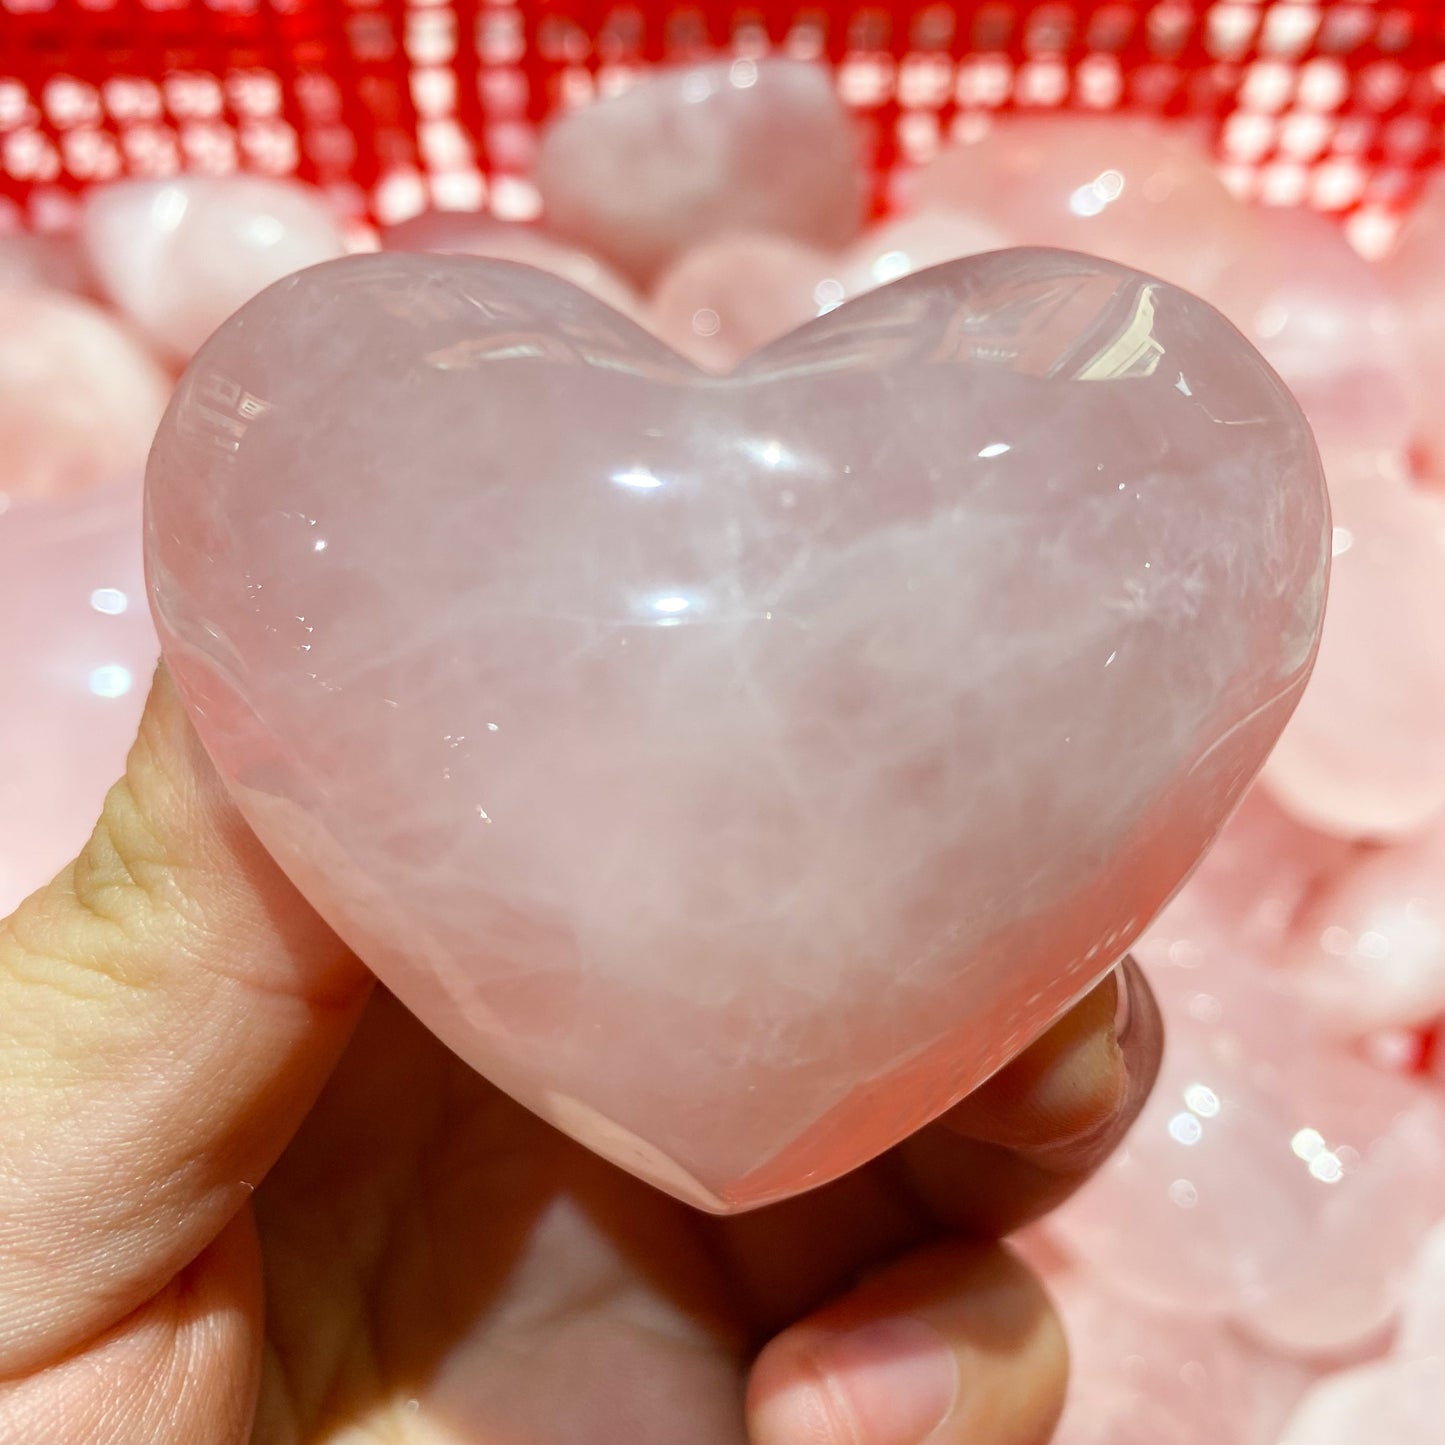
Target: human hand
(245, 1197)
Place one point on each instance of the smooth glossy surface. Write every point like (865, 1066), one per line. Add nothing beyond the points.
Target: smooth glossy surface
(76, 652)
(1364, 756)
(79, 396)
(179, 256)
(737, 771)
(1114, 186)
(690, 153)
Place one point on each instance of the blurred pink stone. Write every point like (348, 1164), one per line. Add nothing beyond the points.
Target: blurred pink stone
(1121, 187)
(900, 247)
(79, 396)
(1272, 1179)
(1368, 951)
(179, 256)
(1414, 272)
(1243, 898)
(1422, 1314)
(1364, 756)
(737, 771)
(690, 153)
(465, 233)
(1390, 1402)
(54, 262)
(1328, 325)
(725, 299)
(1140, 1376)
(76, 651)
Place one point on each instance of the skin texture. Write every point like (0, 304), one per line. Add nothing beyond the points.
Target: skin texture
(244, 1197)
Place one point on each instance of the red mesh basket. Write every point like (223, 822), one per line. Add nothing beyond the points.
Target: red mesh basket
(393, 105)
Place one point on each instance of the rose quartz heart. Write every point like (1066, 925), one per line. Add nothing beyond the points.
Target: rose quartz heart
(736, 769)
(465, 233)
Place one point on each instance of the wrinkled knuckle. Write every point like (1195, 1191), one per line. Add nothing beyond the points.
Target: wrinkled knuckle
(130, 884)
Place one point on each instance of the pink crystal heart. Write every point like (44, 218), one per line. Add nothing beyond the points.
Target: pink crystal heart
(737, 770)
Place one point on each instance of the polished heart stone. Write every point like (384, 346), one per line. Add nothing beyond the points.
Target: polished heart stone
(737, 770)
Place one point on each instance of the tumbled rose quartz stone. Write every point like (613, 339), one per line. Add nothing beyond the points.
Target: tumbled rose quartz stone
(77, 649)
(54, 262)
(179, 256)
(1121, 187)
(1327, 324)
(1140, 1376)
(80, 396)
(1422, 1315)
(1414, 272)
(1272, 1180)
(1365, 754)
(900, 247)
(724, 299)
(736, 770)
(1368, 951)
(1389, 1402)
(691, 152)
(469, 234)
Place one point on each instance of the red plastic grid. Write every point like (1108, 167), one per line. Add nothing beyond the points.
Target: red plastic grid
(397, 104)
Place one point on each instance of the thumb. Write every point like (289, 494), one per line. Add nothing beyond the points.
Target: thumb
(954, 1345)
(169, 1008)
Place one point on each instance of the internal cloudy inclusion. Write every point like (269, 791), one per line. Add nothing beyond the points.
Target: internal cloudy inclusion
(737, 769)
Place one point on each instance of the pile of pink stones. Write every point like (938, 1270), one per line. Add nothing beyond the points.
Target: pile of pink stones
(1263, 1263)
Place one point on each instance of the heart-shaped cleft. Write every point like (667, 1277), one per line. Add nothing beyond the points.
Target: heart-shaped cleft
(737, 770)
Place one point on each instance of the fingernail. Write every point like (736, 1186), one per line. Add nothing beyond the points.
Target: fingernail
(897, 1377)
(1123, 998)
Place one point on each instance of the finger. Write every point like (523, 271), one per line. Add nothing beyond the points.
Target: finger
(955, 1345)
(1004, 1155)
(181, 1370)
(1018, 1146)
(169, 1008)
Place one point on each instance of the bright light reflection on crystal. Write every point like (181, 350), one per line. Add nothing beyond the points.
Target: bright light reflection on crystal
(264, 231)
(112, 680)
(891, 265)
(671, 604)
(1202, 1100)
(1373, 945)
(1183, 1193)
(995, 449)
(1307, 1144)
(637, 478)
(109, 600)
(743, 74)
(1186, 1129)
(828, 294)
(1091, 198)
